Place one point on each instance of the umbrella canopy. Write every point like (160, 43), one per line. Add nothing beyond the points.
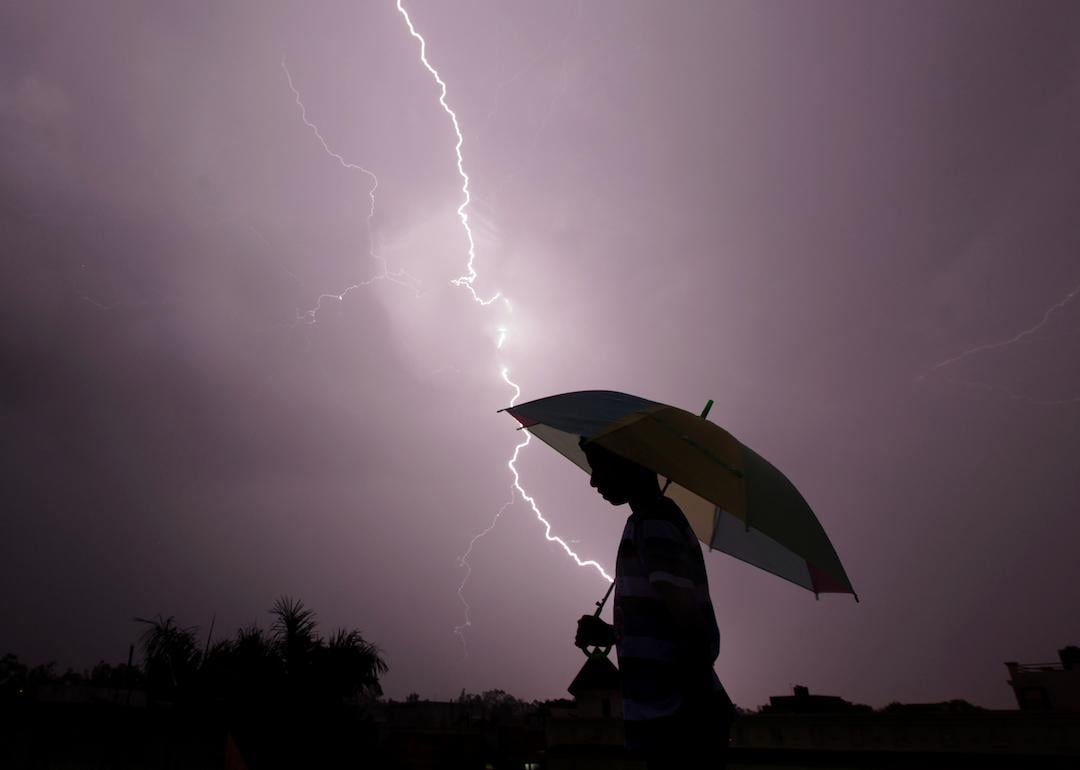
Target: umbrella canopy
(734, 499)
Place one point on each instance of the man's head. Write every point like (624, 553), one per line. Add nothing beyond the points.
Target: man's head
(617, 479)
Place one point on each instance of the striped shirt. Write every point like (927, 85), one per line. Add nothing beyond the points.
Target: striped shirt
(666, 642)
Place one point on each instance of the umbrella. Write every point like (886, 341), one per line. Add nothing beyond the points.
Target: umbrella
(735, 500)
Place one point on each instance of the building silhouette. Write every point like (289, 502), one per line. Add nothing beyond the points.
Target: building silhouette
(587, 733)
(1047, 686)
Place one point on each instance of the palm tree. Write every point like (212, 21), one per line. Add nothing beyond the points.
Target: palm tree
(294, 636)
(349, 665)
(171, 655)
(342, 666)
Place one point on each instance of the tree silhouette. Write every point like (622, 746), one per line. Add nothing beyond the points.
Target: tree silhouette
(348, 665)
(286, 695)
(253, 669)
(291, 665)
(171, 657)
(281, 697)
(344, 665)
(294, 634)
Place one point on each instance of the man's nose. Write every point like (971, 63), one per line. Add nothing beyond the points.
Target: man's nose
(592, 481)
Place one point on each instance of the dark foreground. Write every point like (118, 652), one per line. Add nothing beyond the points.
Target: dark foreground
(74, 736)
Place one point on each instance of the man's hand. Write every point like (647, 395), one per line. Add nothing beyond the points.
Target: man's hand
(593, 632)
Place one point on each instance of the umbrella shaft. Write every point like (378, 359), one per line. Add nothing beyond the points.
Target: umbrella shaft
(600, 604)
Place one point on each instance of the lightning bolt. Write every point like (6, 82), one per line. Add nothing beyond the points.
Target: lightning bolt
(401, 276)
(96, 304)
(463, 561)
(1021, 335)
(1011, 340)
(517, 490)
(462, 210)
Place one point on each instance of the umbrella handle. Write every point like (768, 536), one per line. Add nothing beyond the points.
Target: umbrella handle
(596, 652)
(599, 651)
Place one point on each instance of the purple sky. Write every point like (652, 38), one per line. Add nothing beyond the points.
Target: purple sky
(796, 209)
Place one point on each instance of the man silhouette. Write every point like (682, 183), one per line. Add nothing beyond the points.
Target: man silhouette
(675, 711)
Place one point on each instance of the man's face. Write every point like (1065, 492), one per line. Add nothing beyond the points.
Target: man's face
(608, 479)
